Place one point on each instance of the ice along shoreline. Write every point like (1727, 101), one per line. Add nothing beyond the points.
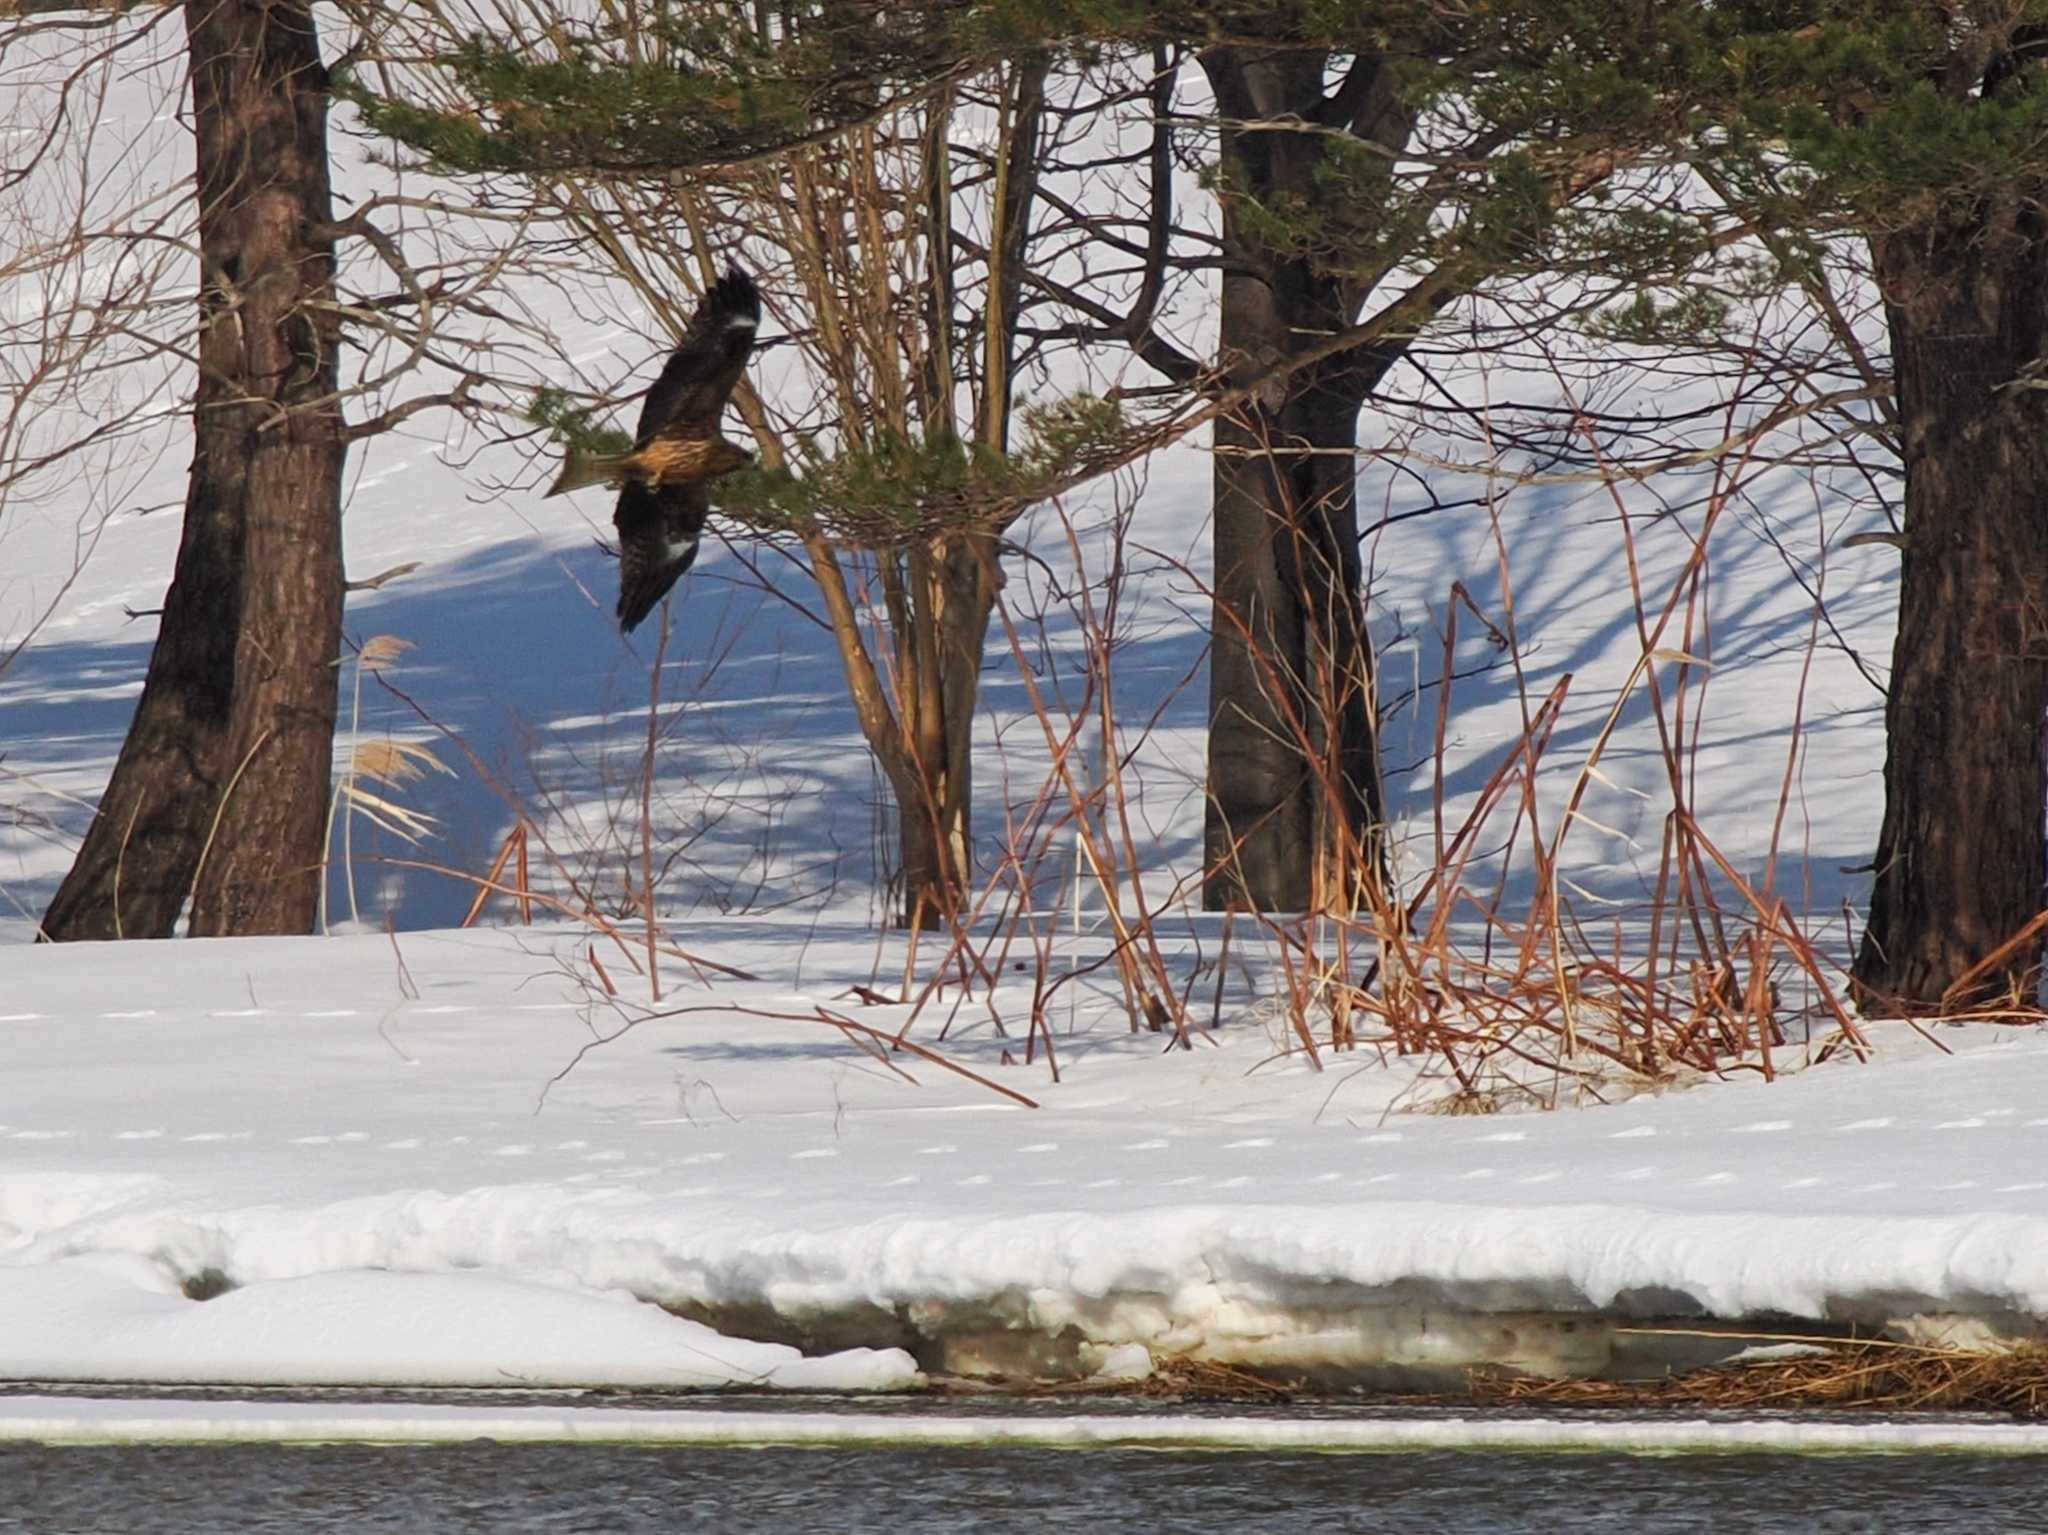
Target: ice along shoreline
(70, 1420)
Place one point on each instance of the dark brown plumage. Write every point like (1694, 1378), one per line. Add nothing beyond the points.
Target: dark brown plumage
(662, 496)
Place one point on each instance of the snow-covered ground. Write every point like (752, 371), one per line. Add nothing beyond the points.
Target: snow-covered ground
(434, 1176)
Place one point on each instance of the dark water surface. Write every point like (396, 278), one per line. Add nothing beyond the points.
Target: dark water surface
(565, 1488)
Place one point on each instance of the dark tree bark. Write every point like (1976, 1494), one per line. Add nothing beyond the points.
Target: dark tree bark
(1294, 791)
(1961, 857)
(220, 792)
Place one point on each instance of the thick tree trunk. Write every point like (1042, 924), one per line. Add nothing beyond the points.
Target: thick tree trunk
(1961, 858)
(1294, 797)
(220, 792)
(1292, 766)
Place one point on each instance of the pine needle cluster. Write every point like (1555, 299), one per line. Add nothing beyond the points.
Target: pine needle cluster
(889, 491)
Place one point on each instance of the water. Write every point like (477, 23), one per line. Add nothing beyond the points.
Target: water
(570, 1488)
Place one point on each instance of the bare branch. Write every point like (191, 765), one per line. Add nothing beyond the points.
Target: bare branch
(373, 583)
(457, 399)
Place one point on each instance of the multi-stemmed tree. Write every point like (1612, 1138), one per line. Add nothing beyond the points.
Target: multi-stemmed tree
(896, 259)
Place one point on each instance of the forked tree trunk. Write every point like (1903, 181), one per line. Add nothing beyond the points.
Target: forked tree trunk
(220, 792)
(1294, 794)
(1961, 858)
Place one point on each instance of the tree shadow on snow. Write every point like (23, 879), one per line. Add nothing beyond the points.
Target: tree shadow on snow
(765, 795)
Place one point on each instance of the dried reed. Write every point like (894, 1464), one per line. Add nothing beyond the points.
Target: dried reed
(1867, 1375)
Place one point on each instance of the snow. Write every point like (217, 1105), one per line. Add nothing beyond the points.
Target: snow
(72, 1420)
(95, 1319)
(449, 1187)
(1125, 1361)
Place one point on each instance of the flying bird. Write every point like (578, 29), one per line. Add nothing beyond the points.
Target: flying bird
(677, 451)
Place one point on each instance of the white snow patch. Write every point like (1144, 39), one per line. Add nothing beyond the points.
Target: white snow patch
(1125, 1361)
(117, 1317)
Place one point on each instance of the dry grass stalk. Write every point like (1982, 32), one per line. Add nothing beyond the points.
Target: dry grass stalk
(380, 651)
(878, 1044)
(1863, 1375)
(1491, 975)
(408, 825)
(579, 904)
(511, 850)
(1181, 1379)
(394, 763)
(391, 763)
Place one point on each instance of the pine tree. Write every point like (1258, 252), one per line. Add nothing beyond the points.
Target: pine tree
(237, 711)
(1922, 129)
(217, 806)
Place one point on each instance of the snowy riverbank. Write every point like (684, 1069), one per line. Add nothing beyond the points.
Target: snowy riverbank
(387, 1178)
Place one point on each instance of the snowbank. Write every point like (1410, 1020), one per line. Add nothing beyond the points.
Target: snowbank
(448, 1187)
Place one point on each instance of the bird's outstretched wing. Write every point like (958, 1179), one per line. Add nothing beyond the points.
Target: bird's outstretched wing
(689, 397)
(658, 528)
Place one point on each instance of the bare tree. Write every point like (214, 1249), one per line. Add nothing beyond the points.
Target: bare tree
(217, 804)
(84, 381)
(84, 377)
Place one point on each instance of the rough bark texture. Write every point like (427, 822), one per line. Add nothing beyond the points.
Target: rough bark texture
(1961, 857)
(1293, 777)
(220, 791)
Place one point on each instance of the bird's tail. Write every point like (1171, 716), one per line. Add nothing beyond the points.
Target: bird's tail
(583, 468)
(646, 575)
